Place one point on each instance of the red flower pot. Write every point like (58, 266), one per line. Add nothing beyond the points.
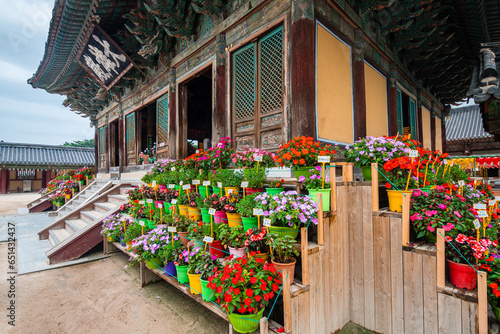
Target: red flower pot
(462, 276)
(216, 248)
(250, 191)
(220, 217)
(162, 187)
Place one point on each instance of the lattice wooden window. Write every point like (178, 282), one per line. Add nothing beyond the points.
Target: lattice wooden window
(413, 119)
(407, 114)
(102, 140)
(258, 92)
(162, 120)
(130, 133)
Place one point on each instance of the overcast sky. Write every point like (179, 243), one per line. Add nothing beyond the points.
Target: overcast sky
(30, 115)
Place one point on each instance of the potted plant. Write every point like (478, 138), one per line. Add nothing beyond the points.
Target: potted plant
(492, 267)
(315, 184)
(402, 172)
(256, 178)
(220, 155)
(181, 223)
(216, 247)
(133, 231)
(234, 239)
(182, 204)
(275, 187)
(193, 210)
(181, 260)
(245, 208)
(257, 243)
(147, 247)
(112, 227)
(283, 251)
(217, 203)
(230, 201)
(243, 289)
(248, 158)
(196, 232)
(194, 272)
(301, 154)
(206, 265)
(167, 254)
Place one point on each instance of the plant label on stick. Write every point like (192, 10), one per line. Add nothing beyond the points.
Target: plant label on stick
(171, 186)
(208, 239)
(195, 182)
(492, 202)
(413, 154)
(174, 201)
(482, 214)
(477, 224)
(219, 184)
(497, 198)
(244, 184)
(258, 158)
(172, 169)
(267, 222)
(181, 183)
(324, 159)
(153, 183)
(206, 183)
(160, 206)
(186, 187)
(141, 202)
(461, 183)
(211, 211)
(258, 212)
(172, 229)
(197, 151)
(141, 223)
(479, 206)
(149, 201)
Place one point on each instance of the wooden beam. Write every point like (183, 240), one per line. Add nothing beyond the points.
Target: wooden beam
(406, 219)
(287, 301)
(333, 188)
(304, 249)
(482, 302)
(321, 240)
(375, 198)
(172, 115)
(440, 257)
(219, 116)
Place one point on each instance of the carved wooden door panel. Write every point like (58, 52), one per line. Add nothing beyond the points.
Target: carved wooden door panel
(258, 93)
(130, 142)
(162, 126)
(102, 147)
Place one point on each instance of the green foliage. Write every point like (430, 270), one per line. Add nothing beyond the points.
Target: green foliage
(256, 177)
(283, 248)
(81, 143)
(133, 231)
(204, 264)
(147, 178)
(232, 236)
(245, 206)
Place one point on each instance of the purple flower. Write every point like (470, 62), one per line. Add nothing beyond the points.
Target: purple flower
(302, 178)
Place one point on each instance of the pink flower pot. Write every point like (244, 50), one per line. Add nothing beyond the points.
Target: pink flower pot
(250, 191)
(220, 217)
(237, 252)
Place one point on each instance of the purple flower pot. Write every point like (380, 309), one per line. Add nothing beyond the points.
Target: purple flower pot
(170, 269)
(122, 243)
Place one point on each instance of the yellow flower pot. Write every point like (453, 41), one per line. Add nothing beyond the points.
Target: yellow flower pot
(68, 196)
(194, 283)
(234, 219)
(183, 210)
(194, 213)
(396, 199)
(234, 189)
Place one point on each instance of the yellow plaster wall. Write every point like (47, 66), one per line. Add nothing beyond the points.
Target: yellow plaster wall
(426, 127)
(376, 103)
(439, 143)
(334, 88)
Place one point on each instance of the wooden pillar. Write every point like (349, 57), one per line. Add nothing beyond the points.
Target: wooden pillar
(433, 128)
(302, 70)
(44, 179)
(393, 103)
(172, 116)
(359, 86)
(107, 136)
(419, 118)
(220, 114)
(96, 147)
(122, 151)
(4, 181)
(446, 113)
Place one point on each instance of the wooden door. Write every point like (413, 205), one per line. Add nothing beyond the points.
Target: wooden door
(130, 139)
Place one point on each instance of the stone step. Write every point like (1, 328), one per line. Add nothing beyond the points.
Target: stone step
(123, 190)
(117, 199)
(74, 225)
(56, 236)
(89, 216)
(104, 207)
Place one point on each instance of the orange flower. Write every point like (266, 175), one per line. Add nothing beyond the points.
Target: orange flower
(295, 162)
(302, 161)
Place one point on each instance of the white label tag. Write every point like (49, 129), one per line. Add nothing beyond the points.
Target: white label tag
(267, 222)
(324, 159)
(492, 202)
(208, 239)
(160, 206)
(172, 169)
(413, 153)
(482, 214)
(230, 191)
(181, 183)
(219, 184)
(141, 202)
(172, 229)
(211, 211)
(186, 187)
(206, 183)
(197, 151)
(141, 223)
(477, 224)
(174, 201)
(258, 158)
(244, 184)
(161, 144)
(258, 212)
(195, 182)
(149, 201)
(171, 186)
(497, 198)
(153, 183)
(479, 206)
(461, 183)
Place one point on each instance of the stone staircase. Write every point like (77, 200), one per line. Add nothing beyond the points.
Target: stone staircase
(41, 204)
(92, 190)
(76, 230)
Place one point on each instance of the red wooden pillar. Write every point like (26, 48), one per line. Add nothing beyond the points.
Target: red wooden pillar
(107, 136)
(419, 118)
(44, 179)
(121, 141)
(172, 116)
(302, 70)
(359, 87)
(96, 148)
(393, 103)
(220, 113)
(4, 181)
(433, 128)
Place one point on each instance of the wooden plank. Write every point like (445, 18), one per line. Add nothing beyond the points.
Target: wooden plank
(304, 256)
(449, 314)
(147, 276)
(397, 288)
(382, 266)
(345, 261)
(287, 312)
(325, 262)
(318, 291)
(429, 272)
(368, 271)
(375, 197)
(295, 314)
(356, 255)
(333, 188)
(469, 318)
(413, 293)
(337, 262)
(440, 256)
(406, 219)
(319, 199)
(304, 313)
(482, 302)
(264, 328)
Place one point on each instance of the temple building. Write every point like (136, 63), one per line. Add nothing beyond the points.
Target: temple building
(183, 74)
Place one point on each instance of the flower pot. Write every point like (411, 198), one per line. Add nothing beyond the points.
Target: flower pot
(282, 231)
(162, 187)
(205, 191)
(111, 239)
(234, 190)
(367, 173)
(263, 256)
(122, 243)
(154, 263)
(273, 191)
(182, 275)
(206, 293)
(194, 283)
(205, 216)
(194, 213)
(326, 197)
(170, 269)
(150, 224)
(396, 199)
(282, 266)
(250, 191)
(462, 276)
(199, 243)
(183, 210)
(237, 252)
(245, 323)
(68, 196)
(183, 237)
(217, 190)
(220, 217)
(496, 312)
(249, 223)
(302, 171)
(216, 248)
(234, 219)
(425, 189)
(82, 182)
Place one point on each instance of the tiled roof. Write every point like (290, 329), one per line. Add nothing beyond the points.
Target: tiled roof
(16, 154)
(466, 123)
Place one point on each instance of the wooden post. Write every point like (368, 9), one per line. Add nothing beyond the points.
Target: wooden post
(147, 276)
(86, 180)
(482, 302)
(347, 171)
(264, 327)
(406, 219)
(321, 241)
(79, 187)
(304, 248)
(219, 120)
(287, 302)
(375, 198)
(440, 256)
(333, 188)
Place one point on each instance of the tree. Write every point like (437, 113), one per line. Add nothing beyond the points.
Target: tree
(81, 143)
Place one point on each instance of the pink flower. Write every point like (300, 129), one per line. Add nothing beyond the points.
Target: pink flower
(461, 238)
(448, 227)
(457, 214)
(416, 216)
(302, 178)
(442, 206)
(430, 228)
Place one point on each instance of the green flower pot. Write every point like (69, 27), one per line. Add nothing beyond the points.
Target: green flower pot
(154, 263)
(205, 191)
(282, 231)
(182, 275)
(367, 173)
(205, 216)
(245, 323)
(199, 244)
(206, 293)
(302, 171)
(218, 191)
(249, 223)
(273, 191)
(325, 199)
(425, 189)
